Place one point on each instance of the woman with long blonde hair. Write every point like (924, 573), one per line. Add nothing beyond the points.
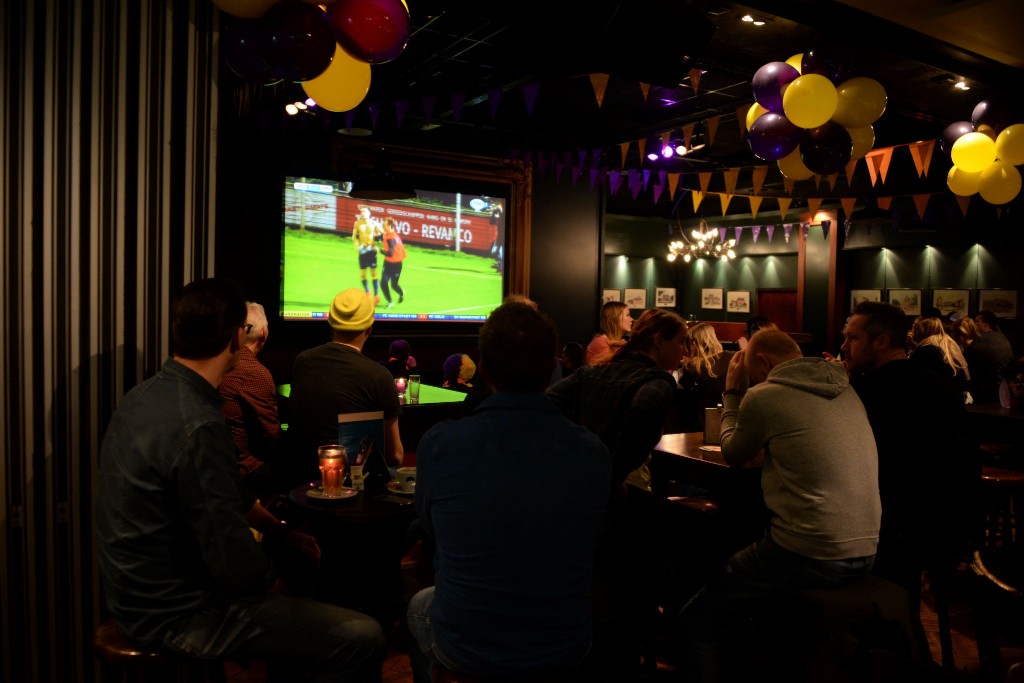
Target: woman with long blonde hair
(941, 354)
(616, 322)
(702, 375)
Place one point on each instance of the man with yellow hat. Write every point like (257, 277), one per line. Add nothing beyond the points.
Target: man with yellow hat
(337, 378)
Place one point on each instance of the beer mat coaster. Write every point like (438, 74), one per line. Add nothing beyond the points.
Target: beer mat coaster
(716, 449)
(319, 494)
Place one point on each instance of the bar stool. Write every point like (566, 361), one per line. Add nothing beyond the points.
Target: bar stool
(130, 663)
(1004, 493)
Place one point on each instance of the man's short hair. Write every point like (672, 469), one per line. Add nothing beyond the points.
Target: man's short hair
(255, 321)
(990, 319)
(884, 318)
(775, 344)
(517, 348)
(205, 315)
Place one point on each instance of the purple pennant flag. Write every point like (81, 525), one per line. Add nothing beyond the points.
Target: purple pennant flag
(787, 228)
(738, 232)
(657, 192)
(374, 109)
(825, 225)
(635, 184)
(576, 170)
(721, 235)
(805, 228)
(567, 158)
(614, 181)
(559, 167)
(401, 106)
(458, 99)
(530, 91)
(542, 163)
(756, 232)
(428, 109)
(350, 118)
(771, 233)
(663, 178)
(583, 157)
(595, 155)
(594, 175)
(647, 177)
(493, 100)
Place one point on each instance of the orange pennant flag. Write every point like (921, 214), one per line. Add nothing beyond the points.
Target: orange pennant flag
(731, 176)
(705, 179)
(741, 118)
(884, 203)
(878, 163)
(788, 184)
(848, 204)
(695, 80)
(625, 150)
(755, 204)
(600, 83)
(850, 168)
(712, 128)
(921, 202)
(726, 198)
(922, 153)
(964, 202)
(698, 197)
(644, 89)
(673, 183)
(687, 135)
(642, 145)
(832, 181)
(758, 179)
(813, 205)
(784, 203)
(817, 181)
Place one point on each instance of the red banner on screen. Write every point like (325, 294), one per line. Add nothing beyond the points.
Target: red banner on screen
(431, 226)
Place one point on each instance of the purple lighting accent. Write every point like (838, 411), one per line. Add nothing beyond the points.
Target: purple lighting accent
(738, 232)
(721, 235)
(653, 156)
(667, 151)
(771, 233)
(647, 177)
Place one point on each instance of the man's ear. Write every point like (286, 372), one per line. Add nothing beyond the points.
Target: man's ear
(764, 360)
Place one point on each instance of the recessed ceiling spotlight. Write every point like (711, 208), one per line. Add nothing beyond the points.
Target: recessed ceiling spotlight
(747, 18)
(962, 85)
(759, 22)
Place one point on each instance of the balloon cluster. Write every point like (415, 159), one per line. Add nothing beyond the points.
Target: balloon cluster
(985, 151)
(329, 52)
(810, 117)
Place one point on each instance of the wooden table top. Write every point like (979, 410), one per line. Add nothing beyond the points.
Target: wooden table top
(691, 445)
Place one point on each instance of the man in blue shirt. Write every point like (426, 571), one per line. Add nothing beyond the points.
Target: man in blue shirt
(514, 496)
(181, 571)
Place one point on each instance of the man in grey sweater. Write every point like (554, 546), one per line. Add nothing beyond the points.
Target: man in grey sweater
(820, 484)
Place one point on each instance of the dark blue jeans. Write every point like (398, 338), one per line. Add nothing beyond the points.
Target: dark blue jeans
(301, 634)
(750, 579)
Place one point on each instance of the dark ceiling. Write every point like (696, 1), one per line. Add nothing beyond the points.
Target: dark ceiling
(492, 54)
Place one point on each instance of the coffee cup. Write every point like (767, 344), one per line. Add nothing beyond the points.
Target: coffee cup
(406, 477)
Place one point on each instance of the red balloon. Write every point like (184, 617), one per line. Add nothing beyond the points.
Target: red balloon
(374, 31)
(300, 43)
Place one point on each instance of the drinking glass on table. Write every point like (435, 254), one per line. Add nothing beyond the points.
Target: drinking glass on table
(333, 460)
(413, 389)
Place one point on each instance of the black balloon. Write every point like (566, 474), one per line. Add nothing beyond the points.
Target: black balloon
(994, 112)
(772, 136)
(242, 43)
(826, 61)
(952, 133)
(300, 42)
(826, 149)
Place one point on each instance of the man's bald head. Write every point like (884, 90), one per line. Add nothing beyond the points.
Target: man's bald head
(767, 349)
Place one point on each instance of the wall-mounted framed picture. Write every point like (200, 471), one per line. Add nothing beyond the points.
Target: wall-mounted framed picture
(636, 298)
(907, 300)
(737, 301)
(1002, 302)
(665, 297)
(612, 295)
(951, 300)
(711, 298)
(858, 296)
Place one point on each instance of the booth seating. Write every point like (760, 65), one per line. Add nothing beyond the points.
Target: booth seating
(124, 662)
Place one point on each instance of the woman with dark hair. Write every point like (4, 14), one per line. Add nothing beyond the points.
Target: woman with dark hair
(616, 323)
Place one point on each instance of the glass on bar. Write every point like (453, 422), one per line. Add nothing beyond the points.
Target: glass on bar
(333, 460)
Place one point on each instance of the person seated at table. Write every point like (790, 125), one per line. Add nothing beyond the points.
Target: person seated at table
(181, 570)
(939, 352)
(754, 323)
(616, 322)
(820, 483)
(702, 374)
(990, 358)
(400, 362)
(514, 496)
(337, 378)
(459, 371)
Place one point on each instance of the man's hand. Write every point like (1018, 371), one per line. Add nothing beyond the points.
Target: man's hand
(303, 545)
(737, 370)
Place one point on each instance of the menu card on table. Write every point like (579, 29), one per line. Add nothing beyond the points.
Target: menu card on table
(362, 435)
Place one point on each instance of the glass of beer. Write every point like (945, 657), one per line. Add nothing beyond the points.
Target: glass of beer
(333, 460)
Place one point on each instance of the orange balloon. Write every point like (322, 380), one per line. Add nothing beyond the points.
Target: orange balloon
(343, 85)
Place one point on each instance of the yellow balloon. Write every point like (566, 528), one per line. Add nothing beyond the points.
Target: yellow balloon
(796, 60)
(343, 85)
(754, 113)
(961, 182)
(1000, 183)
(792, 166)
(860, 102)
(245, 9)
(863, 140)
(810, 101)
(1010, 144)
(973, 152)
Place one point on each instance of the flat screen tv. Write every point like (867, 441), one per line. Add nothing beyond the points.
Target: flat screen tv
(454, 264)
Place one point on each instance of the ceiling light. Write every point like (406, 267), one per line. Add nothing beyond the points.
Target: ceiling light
(301, 106)
(291, 109)
(667, 151)
(759, 22)
(653, 156)
(310, 102)
(747, 18)
(681, 150)
(706, 243)
(962, 85)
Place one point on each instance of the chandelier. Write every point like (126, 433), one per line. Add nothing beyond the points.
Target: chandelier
(704, 242)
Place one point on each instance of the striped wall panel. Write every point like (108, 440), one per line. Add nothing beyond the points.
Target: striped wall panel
(107, 132)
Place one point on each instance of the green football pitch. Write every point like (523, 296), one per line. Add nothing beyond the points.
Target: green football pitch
(319, 265)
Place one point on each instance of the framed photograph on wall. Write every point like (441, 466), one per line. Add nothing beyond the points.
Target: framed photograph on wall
(1002, 302)
(665, 297)
(636, 298)
(907, 300)
(951, 300)
(737, 302)
(611, 295)
(711, 298)
(861, 295)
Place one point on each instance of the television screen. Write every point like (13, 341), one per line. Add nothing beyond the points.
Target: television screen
(438, 257)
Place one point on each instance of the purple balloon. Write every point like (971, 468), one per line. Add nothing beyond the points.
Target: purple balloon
(952, 133)
(374, 31)
(300, 42)
(242, 43)
(826, 61)
(996, 113)
(768, 81)
(772, 136)
(826, 149)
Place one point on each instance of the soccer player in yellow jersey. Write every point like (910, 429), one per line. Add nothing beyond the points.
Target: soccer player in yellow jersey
(365, 234)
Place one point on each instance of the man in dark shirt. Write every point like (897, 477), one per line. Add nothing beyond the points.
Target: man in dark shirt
(514, 496)
(988, 358)
(181, 570)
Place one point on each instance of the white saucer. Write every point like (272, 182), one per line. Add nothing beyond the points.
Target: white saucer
(319, 494)
(396, 488)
